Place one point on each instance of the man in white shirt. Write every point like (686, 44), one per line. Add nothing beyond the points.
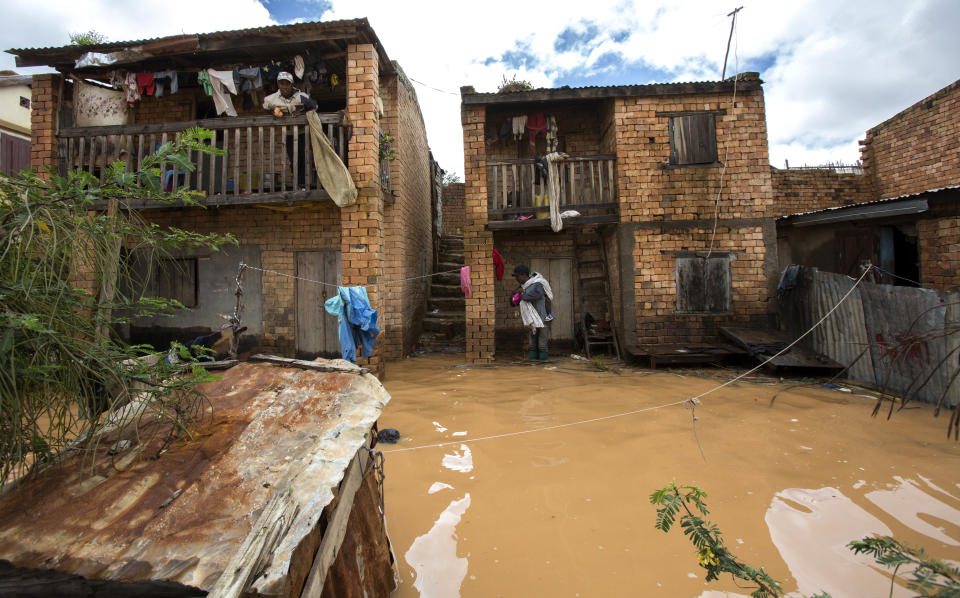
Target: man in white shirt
(289, 101)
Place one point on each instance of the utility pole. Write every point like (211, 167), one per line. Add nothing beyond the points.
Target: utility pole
(732, 23)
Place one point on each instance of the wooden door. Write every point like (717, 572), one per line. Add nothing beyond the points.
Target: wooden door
(316, 329)
(559, 273)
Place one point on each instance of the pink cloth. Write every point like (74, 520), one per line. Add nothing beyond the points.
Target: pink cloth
(465, 281)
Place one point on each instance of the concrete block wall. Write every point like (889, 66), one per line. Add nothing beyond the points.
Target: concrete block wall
(477, 241)
(673, 209)
(408, 243)
(917, 149)
(279, 233)
(796, 191)
(453, 209)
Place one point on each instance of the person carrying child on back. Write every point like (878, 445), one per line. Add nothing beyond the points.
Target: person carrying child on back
(533, 298)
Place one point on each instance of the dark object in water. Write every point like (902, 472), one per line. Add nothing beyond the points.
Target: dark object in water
(388, 435)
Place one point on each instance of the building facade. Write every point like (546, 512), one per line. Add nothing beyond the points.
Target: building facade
(264, 190)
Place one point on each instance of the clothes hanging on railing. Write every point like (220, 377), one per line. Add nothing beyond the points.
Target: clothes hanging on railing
(219, 81)
(331, 171)
(357, 321)
(145, 84)
(519, 126)
(166, 83)
(553, 189)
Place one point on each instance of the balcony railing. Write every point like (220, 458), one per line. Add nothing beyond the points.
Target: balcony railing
(266, 159)
(519, 187)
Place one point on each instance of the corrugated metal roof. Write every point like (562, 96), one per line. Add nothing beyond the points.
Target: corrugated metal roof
(869, 203)
(224, 34)
(181, 517)
(745, 81)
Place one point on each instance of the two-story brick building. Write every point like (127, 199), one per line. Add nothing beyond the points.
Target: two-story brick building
(264, 190)
(675, 234)
(902, 213)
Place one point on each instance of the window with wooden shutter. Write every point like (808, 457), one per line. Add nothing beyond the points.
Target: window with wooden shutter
(177, 279)
(703, 284)
(693, 139)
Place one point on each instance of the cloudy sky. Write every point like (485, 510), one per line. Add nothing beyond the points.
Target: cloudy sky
(831, 68)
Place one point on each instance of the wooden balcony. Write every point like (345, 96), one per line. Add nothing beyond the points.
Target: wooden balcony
(518, 198)
(264, 157)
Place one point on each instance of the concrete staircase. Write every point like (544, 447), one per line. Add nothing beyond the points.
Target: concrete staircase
(444, 323)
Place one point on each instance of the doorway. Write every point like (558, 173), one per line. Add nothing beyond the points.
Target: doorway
(559, 273)
(317, 330)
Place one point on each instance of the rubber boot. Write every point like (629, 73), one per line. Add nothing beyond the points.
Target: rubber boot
(544, 356)
(533, 355)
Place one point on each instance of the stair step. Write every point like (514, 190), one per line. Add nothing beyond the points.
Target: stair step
(592, 278)
(447, 278)
(445, 290)
(448, 303)
(443, 266)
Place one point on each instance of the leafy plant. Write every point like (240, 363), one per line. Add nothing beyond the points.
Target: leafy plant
(87, 38)
(928, 577)
(688, 502)
(64, 376)
(386, 147)
(514, 85)
(450, 178)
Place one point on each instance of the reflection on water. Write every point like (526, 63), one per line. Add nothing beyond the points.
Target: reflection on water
(565, 511)
(433, 556)
(811, 529)
(906, 501)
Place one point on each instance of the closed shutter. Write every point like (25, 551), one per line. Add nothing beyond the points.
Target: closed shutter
(693, 139)
(177, 279)
(703, 284)
(14, 154)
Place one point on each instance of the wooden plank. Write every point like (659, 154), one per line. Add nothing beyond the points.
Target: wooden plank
(103, 158)
(260, 160)
(762, 344)
(139, 152)
(318, 366)
(201, 162)
(610, 180)
(496, 190)
(236, 162)
(250, 169)
(273, 166)
(231, 200)
(283, 159)
(544, 223)
(310, 297)
(336, 527)
(503, 185)
(593, 189)
(584, 208)
(177, 126)
(295, 183)
(310, 178)
(332, 275)
(583, 158)
(224, 164)
(516, 187)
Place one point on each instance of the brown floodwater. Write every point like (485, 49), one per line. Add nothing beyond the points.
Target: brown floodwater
(565, 511)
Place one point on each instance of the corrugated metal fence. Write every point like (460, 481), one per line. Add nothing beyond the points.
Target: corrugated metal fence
(901, 339)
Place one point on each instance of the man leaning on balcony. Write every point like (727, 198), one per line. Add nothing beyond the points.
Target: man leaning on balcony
(288, 101)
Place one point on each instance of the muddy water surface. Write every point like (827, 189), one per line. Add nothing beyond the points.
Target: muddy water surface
(565, 511)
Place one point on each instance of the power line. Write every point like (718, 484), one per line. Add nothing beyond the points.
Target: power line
(434, 88)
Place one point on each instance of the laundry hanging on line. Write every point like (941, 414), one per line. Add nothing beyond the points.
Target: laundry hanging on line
(357, 321)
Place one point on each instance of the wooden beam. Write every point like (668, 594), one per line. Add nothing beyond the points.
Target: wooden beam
(590, 206)
(216, 201)
(336, 526)
(317, 366)
(206, 123)
(620, 91)
(544, 223)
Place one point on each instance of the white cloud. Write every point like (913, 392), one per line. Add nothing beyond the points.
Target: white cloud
(837, 68)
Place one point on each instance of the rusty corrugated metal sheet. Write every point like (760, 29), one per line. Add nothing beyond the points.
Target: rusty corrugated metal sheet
(181, 516)
(908, 332)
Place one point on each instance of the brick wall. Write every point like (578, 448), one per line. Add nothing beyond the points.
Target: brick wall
(361, 244)
(453, 209)
(45, 105)
(938, 239)
(477, 241)
(796, 191)
(279, 233)
(917, 149)
(673, 210)
(408, 246)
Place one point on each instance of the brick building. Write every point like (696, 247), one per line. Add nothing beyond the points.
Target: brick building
(264, 190)
(675, 234)
(902, 214)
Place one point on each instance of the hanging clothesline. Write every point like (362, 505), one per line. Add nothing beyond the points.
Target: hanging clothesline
(327, 284)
